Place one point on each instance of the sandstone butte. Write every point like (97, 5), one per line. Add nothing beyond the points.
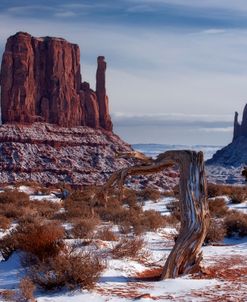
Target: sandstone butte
(41, 82)
(55, 128)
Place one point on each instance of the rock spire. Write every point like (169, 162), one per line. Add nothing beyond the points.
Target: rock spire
(240, 129)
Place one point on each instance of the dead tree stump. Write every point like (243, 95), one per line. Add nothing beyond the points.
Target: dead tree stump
(186, 254)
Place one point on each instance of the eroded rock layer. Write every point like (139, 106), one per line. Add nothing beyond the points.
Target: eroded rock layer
(47, 153)
(41, 82)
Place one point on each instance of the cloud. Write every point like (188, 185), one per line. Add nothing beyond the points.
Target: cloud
(141, 9)
(214, 31)
(65, 14)
(174, 120)
(235, 5)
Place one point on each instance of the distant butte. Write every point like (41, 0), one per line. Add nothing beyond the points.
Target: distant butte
(41, 82)
(234, 154)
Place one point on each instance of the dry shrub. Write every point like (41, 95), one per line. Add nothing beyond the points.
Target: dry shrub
(236, 224)
(167, 193)
(12, 204)
(128, 248)
(7, 295)
(84, 228)
(114, 211)
(27, 289)
(153, 220)
(218, 207)
(4, 222)
(216, 231)
(15, 197)
(69, 269)
(150, 194)
(148, 221)
(238, 197)
(174, 208)
(16, 205)
(42, 239)
(45, 208)
(171, 220)
(236, 193)
(80, 204)
(130, 197)
(106, 234)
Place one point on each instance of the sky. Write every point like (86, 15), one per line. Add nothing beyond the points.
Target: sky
(177, 69)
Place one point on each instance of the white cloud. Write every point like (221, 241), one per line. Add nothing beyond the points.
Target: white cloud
(65, 14)
(214, 31)
(240, 5)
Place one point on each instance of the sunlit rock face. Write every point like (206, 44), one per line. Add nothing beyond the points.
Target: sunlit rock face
(41, 82)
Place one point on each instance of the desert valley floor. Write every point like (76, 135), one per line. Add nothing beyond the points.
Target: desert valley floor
(126, 279)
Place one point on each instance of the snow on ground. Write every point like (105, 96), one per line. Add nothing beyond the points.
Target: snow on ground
(240, 206)
(11, 272)
(159, 206)
(124, 280)
(49, 197)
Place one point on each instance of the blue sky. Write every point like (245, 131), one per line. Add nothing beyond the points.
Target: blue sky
(177, 69)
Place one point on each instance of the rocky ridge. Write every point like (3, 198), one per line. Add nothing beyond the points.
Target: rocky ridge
(49, 154)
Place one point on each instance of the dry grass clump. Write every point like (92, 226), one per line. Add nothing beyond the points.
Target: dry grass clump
(17, 206)
(69, 269)
(7, 295)
(49, 263)
(39, 238)
(218, 207)
(141, 221)
(12, 204)
(128, 248)
(27, 289)
(45, 209)
(238, 196)
(106, 234)
(150, 194)
(84, 228)
(174, 208)
(42, 239)
(4, 222)
(216, 231)
(14, 197)
(80, 204)
(236, 193)
(236, 224)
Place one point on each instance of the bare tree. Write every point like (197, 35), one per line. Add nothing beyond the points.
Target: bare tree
(186, 254)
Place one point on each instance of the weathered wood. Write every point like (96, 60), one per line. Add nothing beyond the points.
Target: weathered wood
(186, 254)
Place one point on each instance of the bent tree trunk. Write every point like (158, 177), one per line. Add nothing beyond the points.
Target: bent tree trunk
(186, 254)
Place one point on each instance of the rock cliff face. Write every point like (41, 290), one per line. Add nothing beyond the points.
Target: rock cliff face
(234, 154)
(41, 82)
